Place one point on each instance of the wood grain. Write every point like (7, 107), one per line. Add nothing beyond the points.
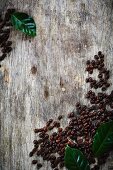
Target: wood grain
(68, 33)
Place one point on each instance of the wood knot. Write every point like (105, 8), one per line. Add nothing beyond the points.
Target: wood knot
(46, 92)
(34, 70)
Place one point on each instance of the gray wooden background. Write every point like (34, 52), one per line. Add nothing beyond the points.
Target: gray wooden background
(45, 76)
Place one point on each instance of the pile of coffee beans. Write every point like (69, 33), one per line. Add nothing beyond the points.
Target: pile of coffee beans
(81, 128)
(5, 29)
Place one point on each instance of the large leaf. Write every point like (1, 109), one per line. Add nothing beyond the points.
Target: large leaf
(24, 23)
(103, 139)
(75, 160)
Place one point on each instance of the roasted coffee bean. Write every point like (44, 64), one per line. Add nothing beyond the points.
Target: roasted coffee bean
(42, 134)
(100, 75)
(7, 50)
(34, 161)
(56, 124)
(93, 62)
(32, 152)
(52, 157)
(39, 165)
(35, 142)
(87, 68)
(101, 60)
(60, 129)
(61, 165)
(3, 57)
(8, 14)
(91, 85)
(4, 38)
(101, 65)
(107, 85)
(88, 62)
(46, 136)
(104, 88)
(50, 120)
(96, 57)
(8, 43)
(70, 115)
(53, 165)
(87, 80)
(6, 31)
(90, 71)
(96, 167)
(92, 160)
(38, 152)
(99, 53)
(39, 141)
(50, 127)
(77, 105)
(102, 56)
(111, 105)
(38, 130)
(60, 117)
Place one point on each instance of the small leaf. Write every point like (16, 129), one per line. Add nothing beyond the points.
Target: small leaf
(75, 160)
(103, 139)
(24, 23)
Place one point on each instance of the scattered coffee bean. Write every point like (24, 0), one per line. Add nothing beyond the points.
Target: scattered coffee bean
(39, 165)
(60, 117)
(82, 126)
(34, 161)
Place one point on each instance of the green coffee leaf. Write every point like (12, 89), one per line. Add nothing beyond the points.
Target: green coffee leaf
(103, 139)
(75, 160)
(24, 23)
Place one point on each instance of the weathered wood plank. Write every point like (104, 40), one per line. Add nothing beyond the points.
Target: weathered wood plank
(68, 33)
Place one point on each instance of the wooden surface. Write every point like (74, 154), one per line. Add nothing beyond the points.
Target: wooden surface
(68, 33)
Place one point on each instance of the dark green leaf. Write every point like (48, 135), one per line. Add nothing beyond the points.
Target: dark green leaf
(75, 160)
(24, 23)
(103, 139)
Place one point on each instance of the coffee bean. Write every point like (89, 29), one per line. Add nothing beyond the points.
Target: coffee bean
(70, 115)
(56, 124)
(32, 152)
(6, 44)
(60, 117)
(87, 80)
(93, 62)
(38, 130)
(100, 75)
(97, 167)
(34, 161)
(104, 88)
(35, 142)
(8, 14)
(91, 72)
(39, 141)
(50, 127)
(99, 53)
(107, 85)
(61, 165)
(41, 135)
(77, 105)
(96, 57)
(3, 57)
(88, 62)
(101, 65)
(39, 165)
